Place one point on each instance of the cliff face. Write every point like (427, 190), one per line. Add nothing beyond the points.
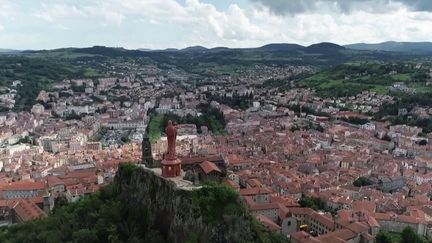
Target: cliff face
(139, 206)
(213, 213)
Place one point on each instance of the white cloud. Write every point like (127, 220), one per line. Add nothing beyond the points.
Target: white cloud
(200, 23)
(58, 12)
(6, 8)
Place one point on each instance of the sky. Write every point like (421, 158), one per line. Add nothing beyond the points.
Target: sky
(158, 24)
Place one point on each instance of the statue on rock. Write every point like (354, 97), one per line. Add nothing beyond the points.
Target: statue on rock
(171, 166)
(171, 132)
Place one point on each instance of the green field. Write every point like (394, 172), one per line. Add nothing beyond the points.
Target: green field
(351, 79)
(154, 130)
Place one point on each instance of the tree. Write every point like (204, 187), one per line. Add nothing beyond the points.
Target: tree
(85, 235)
(383, 237)
(362, 181)
(410, 236)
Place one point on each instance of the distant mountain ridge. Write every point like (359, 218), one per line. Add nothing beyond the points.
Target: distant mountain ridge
(279, 47)
(320, 54)
(8, 51)
(409, 47)
(324, 47)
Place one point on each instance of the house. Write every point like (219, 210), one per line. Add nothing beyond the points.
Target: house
(25, 210)
(191, 163)
(368, 126)
(258, 195)
(209, 171)
(55, 184)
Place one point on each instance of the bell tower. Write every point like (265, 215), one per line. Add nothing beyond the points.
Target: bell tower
(147, 157)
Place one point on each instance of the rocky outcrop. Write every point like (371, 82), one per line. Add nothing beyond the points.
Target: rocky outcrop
(213, 213)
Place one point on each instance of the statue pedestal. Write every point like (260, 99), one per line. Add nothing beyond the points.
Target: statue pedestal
(171, 167)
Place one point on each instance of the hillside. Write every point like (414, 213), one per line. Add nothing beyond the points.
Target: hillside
(280, 47)
(8, 51)
(324, 47)
(141, 207)
(352, 78)
(408, 47)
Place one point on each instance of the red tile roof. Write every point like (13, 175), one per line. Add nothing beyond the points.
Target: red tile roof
(363, 205)
(254, 191)
(195, 160)
(268, 223)
(231, 184)
(208, 167)
(54, 180)
(358, 227)
(343, 234)
(27, 210)
(301, 211)
(24, 185)
(327, 222)
(264, 206)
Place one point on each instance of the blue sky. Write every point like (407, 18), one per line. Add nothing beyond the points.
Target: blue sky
(47, 24)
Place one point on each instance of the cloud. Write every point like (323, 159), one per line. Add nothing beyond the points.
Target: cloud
(234, 24)
(58, 12)
(283, 7)
(418, 5)
(5, 8)
(169, 23)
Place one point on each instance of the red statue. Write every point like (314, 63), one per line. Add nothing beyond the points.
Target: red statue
(171, 166)
(171, 132)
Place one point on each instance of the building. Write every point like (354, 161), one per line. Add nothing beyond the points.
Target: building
(37, 109)
(24, 189)
(186, 129)
(257, 194)
(209, 171)
(391, 184)
(95, 146)
(26, 210)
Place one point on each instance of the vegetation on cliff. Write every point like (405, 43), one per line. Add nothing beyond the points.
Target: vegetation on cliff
(141, 207)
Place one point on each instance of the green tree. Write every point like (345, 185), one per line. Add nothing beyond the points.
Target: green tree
(410, 236)
(383, 237)
(361, 181)
(85, 235)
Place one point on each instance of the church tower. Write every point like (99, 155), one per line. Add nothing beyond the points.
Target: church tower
(147, 157)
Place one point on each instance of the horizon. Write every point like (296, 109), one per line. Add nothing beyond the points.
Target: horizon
(133, 24)
(209, 48)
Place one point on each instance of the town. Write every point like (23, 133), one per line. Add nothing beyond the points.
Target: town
(313, 168)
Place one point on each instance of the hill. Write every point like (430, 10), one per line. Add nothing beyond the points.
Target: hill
(352, 78)
(325, 48)
(8, 51)
(199, 59)
(280, 47)
(408, 47)
(194, 49)
(142, 207)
